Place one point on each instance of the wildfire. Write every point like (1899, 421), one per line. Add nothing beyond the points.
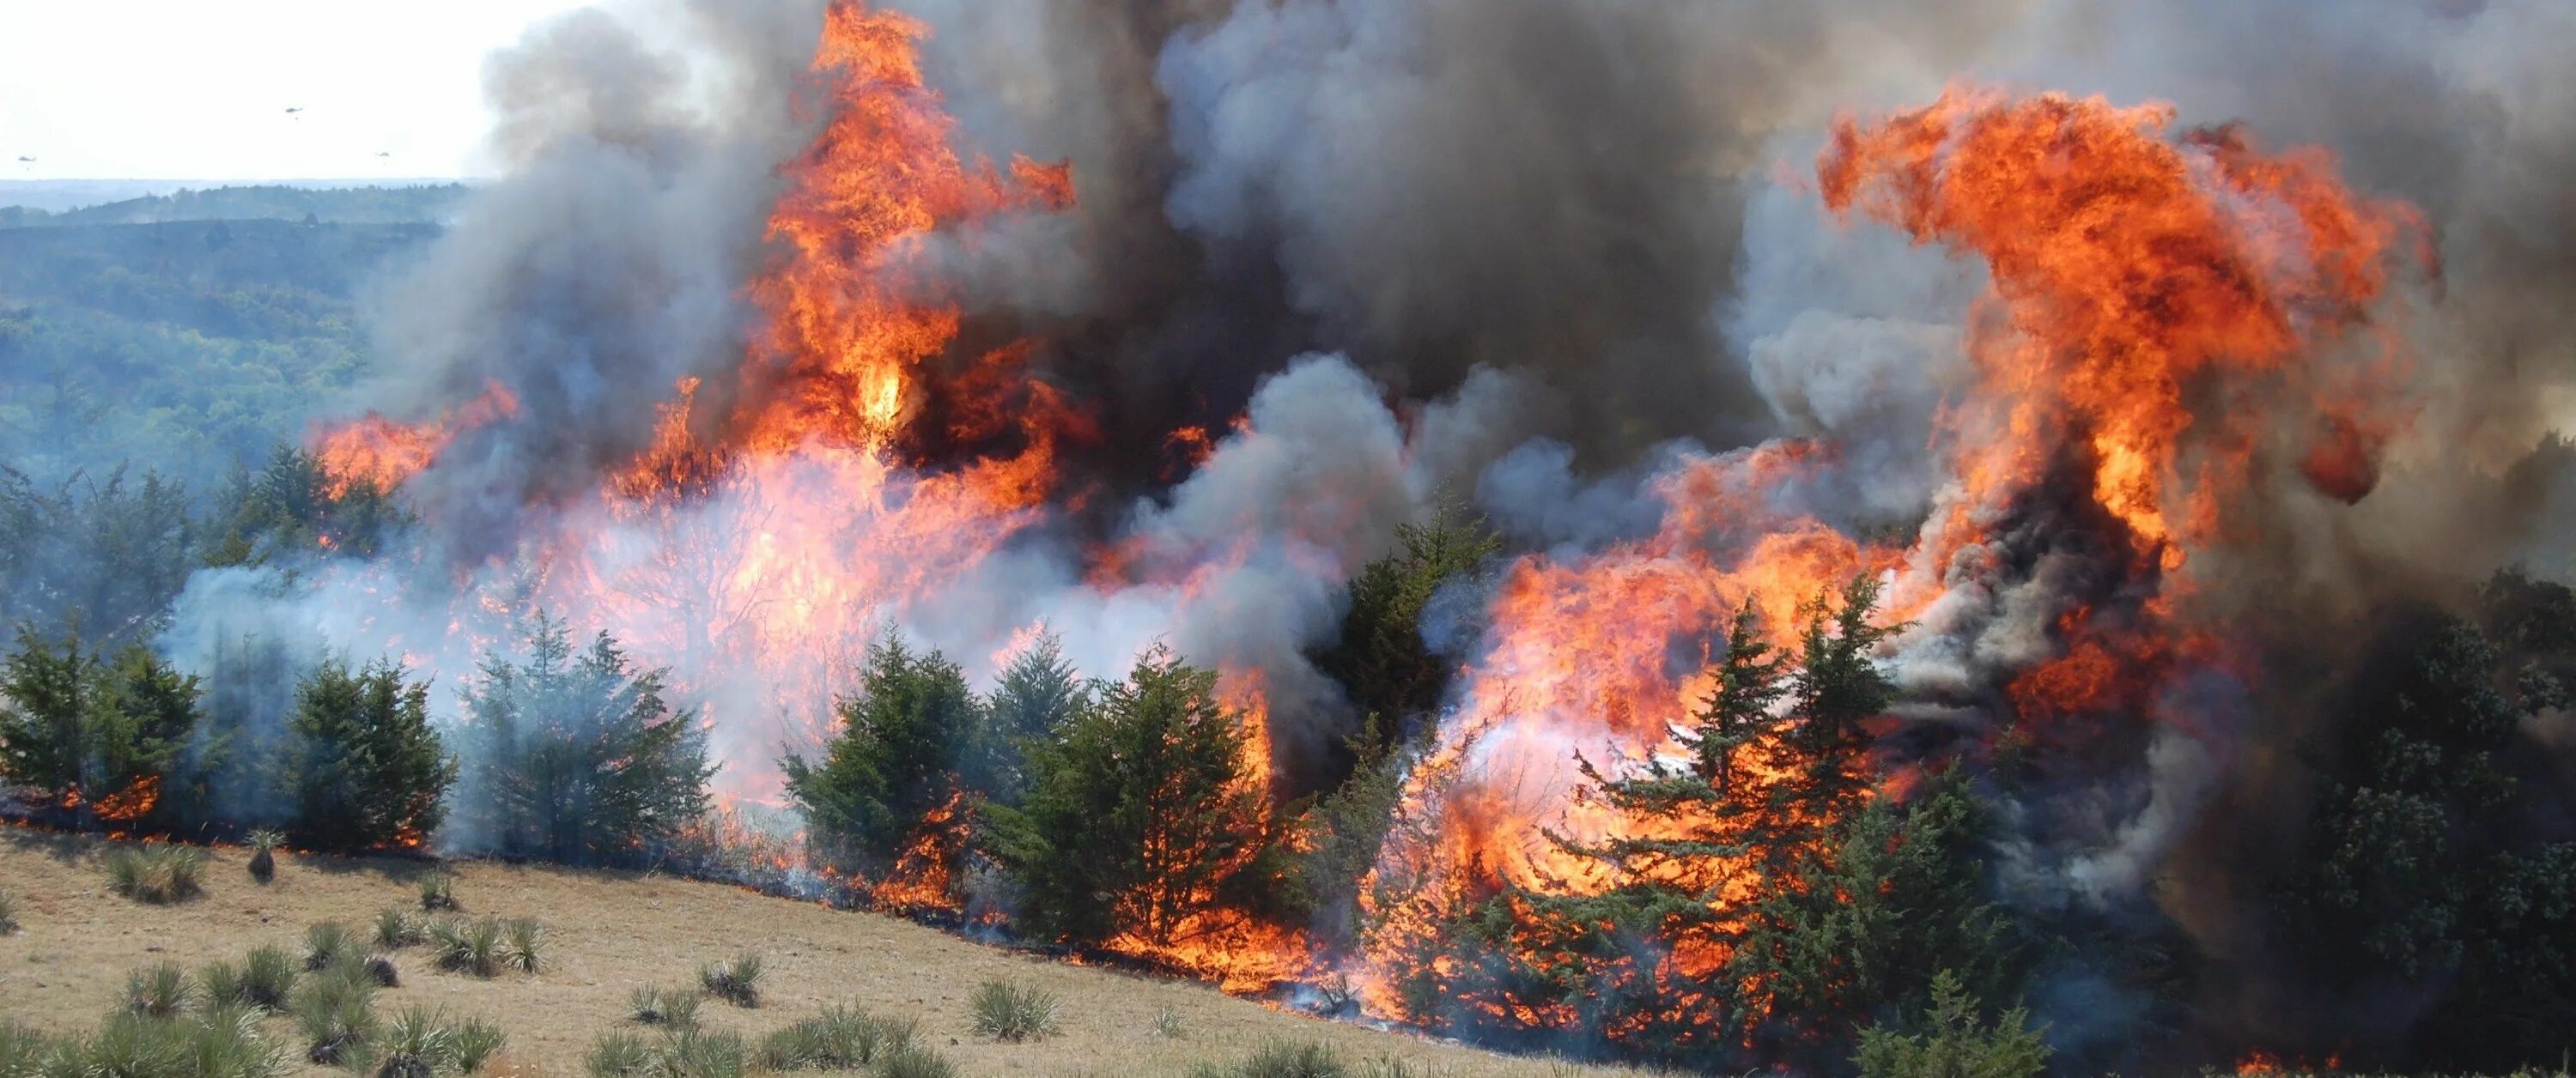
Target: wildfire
(383, 453)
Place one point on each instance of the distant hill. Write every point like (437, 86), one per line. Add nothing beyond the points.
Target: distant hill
(32, 204)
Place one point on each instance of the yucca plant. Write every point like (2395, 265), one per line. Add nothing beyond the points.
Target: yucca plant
(159, 992)
(337, 1017)
(654, 1007)
(1013, 1012)
(25, 1052)
(477, 1041)
(396, 929)
(524, 950)
(618, 1055)
(915, 1061)
(8, 915)
(736, 981)
(263, 855)
(474, 947)
(839, 1038)
(326, 943)
(1167, 1024)
(1283, 1059)
(438, 892)
(415, 1044)
(225, 1042)
(134, 1046)
(220, 984)
(157, 872)
(701, 1053)
(267, 979)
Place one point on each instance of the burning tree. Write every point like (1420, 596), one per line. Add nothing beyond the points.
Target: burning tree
(577, 759)
(902, 736)
(79, 729)
(1141, 821)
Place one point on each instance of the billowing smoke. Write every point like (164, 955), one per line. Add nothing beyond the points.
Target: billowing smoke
(1328, 262)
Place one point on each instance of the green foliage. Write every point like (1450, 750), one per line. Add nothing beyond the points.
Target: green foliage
(105, 555)
(157, 872)
(736, 981)
(902, 736)
(291, 504)
(416, 1044)
(327, 943)
(24, 1053)
(368, 770)
(158, 992)
(475, 1042)
(336, 1015)
(1167, 1024)
(700, 1053)
(524, 950)
(1138, 820)
(480, 947)
(1012, 1012)
(8, 914)
(268, 978)
(1379, 656)
(73, 722)
(652, 1006)
(1037, 696)
(577, 760)
(1954, 1043)
(838, 1038)
(1286, 1059)
(220, 1043)
(912, 1060)
(397, 929)
(438, 891)
(618, 1055)
(2418, 868)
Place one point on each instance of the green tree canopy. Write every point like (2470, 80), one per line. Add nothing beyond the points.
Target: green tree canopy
(367, 769)
(902, 737)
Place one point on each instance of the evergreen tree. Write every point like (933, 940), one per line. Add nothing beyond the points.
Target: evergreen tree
(45, 709)
(902, 737)
(1140, 820)
(1955, 1043)
(367, 770)
(144, 715)
(72, 723)
(1037, 695)
(1379, 657)
(576, 759)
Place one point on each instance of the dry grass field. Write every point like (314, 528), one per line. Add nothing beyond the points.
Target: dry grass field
(609, 933)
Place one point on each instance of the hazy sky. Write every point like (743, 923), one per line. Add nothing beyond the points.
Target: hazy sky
(198, 89)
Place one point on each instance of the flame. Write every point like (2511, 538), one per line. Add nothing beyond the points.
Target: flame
(384, 453)
(923, 877)
(132, 803)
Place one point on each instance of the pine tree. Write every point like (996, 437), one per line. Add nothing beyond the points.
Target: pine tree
(1139, 820)
(576, 759)
(1037, 695)
(902, 737)
(367, 770)
(45, 709)
(73, 723)
(1379, 657)
(1955, 1043)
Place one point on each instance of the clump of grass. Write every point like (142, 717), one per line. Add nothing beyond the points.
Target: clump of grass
(702, 1053)
(524, 950)
(326, 943)
(1013, 1012)
(915, 1061)
(397, 929)
(159, 992)
(438, 892)
(8, 915)
(157, 872)
(736, 981)
(220, 985)
(222, 1043)
(263, 855)
(1167, 1024)
(839, 1038)
(655, 1007)
(618, 1055)
(337, 1016)
(1285, 1059)
(267, 979)
(416, 1044)
(25, 1051)
(476, 947)
(476, 1042)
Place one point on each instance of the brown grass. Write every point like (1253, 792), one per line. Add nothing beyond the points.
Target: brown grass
(609, 933)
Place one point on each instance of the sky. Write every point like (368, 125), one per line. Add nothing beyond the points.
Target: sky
(198, 89)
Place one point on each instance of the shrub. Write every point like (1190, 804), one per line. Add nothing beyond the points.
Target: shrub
(1013, 1012)
(157, 872)
(839, 1038)
(8, 915)
(267, 979)
(899, 740)
(158, 992)
(438, 892)
(476, 1043)
(476, 947)
(337, 1017)
(396, 929)
(367, 770)
(577, 758)
(263, 859)
(618, 1055)
(736, 982)
(415, 1044)
(915, 1061)
(655, 1007)
(325, 943)
(1954, 1044)
(524, 951)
